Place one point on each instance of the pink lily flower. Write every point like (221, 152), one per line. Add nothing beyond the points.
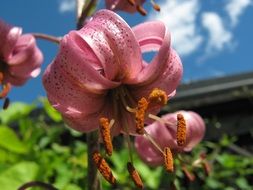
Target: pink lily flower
(99, 71)
(20, 58)
(164, 133)
(130, 6)
(123, 5)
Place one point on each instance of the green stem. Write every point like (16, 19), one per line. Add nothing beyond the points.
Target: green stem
(93, 182)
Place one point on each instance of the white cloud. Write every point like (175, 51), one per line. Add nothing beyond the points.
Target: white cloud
(67, 5)
(219, 36)
(180, 17)
(235, 8)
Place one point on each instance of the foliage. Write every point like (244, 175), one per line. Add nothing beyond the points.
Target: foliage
(36, 145)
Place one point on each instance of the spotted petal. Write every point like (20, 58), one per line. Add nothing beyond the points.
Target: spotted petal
(165, 70)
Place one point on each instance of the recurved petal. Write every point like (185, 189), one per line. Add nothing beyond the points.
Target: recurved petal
(114, 44)
(8, 38)
(152, 36)
(80, 65)
(165, 70)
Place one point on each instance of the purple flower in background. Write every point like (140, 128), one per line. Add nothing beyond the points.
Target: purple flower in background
(20, 57)
(164, 133)
(99, 71)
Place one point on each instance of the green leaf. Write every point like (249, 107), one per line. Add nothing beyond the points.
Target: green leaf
(15, 111)
(10, 141)
(18, 174)
(71, 187)
(51, 112)
(242, 183)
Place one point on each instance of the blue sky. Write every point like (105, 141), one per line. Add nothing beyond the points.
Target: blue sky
(213, 37)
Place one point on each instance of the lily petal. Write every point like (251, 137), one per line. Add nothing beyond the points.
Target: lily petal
(25, 59)
(114, 43)
(8, 38)
(165, 70)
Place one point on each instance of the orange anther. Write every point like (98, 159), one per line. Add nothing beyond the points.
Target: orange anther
(140, 115)
(158, 96)
(156, 7)
(168, 159)
(106, 135)
(134, 175)
(103, 168)
(181, 130)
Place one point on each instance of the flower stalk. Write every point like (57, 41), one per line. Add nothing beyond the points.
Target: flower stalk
(47, 37)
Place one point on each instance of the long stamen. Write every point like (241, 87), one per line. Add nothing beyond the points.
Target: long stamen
(168, 159)
(153, 141)
(181, 130)
(134, 175)
(106, 135)
(159, 119)
(103, 168)
(127, 136)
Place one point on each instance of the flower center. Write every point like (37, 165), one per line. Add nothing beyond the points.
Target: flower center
(123, 102)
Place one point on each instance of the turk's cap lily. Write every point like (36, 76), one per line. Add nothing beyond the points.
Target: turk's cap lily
(20, 58)
(164, 134)
(99, 71)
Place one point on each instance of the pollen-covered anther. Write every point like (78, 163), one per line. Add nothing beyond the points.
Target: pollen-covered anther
(140, 115)
(155, 5)
(5, 90)
(135, 175)
(106, 135)
(181, 130)
(141, 10)
(158, 97)
(131, 2)
(168, 159)
(103, 167)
